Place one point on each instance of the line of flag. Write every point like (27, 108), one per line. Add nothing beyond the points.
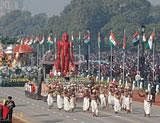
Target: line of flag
(87, 38)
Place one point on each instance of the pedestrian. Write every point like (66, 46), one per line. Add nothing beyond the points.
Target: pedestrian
(11, 105)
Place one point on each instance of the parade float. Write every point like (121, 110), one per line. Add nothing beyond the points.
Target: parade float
(62, 70)
(11, 71)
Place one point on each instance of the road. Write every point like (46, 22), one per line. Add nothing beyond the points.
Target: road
(36, 111)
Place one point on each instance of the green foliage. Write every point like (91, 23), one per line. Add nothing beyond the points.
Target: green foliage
(82, 15)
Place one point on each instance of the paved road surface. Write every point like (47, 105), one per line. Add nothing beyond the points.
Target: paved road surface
(37, 111)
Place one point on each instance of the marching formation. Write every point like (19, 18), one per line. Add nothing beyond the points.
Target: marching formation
(94, 97)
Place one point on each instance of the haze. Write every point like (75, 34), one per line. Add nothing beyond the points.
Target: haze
(54, 7)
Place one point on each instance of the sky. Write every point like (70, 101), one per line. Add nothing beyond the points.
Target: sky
(53, 7)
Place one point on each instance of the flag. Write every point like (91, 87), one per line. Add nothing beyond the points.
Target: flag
(150, 41)
(135, 40)
(41, 39)
(25, 40)
(79, 37)
(36, 39)
(112, 39)
(19, 40)
(99, 39)
(50, 41)
(30, 41)
(144, 40)
(124, 40)
(87, 37)
(55, 39)
(72, 38)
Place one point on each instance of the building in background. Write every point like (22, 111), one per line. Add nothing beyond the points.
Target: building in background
(10, 5)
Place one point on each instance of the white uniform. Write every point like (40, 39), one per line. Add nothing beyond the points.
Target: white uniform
(85, 103)
(66, 103)
(147, 104)
(110, 99)
(72, 102)
(117, 106)
(50, 100)
(128, 102)
(123, 102)
(102, 100)
(59, 101)
(94, 107)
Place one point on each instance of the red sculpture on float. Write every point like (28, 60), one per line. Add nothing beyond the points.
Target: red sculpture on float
(65, 55)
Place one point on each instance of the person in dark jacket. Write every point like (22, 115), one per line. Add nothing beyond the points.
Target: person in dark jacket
(10, 104)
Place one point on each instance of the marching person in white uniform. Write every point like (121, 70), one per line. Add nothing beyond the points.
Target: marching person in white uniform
(94, 105)
(59, 99)
(117, 106)
(50, 99)
(86, 100)
(66, 101)
(147, 104)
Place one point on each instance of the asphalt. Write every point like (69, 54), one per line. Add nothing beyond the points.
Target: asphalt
(36, 111)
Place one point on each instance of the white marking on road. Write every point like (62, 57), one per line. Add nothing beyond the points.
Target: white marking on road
(118, 116)
(54, 112)
(67, 116)
(82, 122)
(74, 119)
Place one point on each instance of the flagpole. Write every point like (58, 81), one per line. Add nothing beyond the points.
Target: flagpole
(99, 63)
(38, 54)
(89, 57)
(42, 50)
(79, 48)
(153, 59)
(111, 63)
(138, 54)
(124, 54)
(55, 40)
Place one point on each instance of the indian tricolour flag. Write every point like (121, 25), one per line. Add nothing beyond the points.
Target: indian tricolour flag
(112, 39)
(87, 37)
(41, 41)
(72, 38)
(136, 38)
(50, 41)
(150, 41)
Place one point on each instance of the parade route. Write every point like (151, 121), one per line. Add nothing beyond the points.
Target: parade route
(36, 111)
